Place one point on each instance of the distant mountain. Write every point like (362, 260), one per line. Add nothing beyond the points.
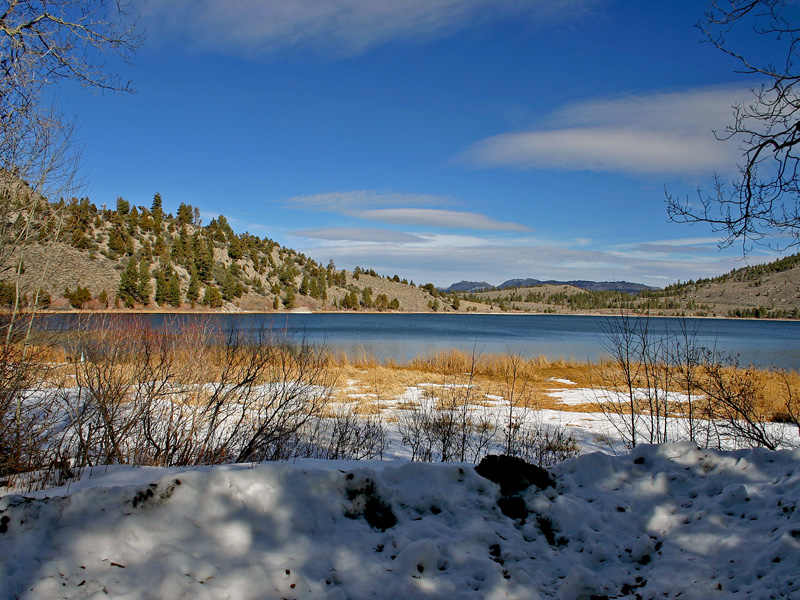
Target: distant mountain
(625, 287)
(469, 286)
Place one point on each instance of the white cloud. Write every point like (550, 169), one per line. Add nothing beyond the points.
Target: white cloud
(675, 247)
(693, 241)
(438, 218)
(445, 263)
(361, 199)
(355, 234)
(669, 133)
(361, 204)
(342, 27)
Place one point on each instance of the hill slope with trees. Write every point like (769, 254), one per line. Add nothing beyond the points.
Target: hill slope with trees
(72, 254)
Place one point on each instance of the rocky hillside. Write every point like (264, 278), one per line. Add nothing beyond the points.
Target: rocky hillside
(80, 256)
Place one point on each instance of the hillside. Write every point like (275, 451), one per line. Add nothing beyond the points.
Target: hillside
(80, 256)
(770, 290)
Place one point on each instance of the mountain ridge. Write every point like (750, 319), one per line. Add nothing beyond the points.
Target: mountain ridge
(626, 287)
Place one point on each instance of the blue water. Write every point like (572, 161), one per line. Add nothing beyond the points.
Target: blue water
(400, 336)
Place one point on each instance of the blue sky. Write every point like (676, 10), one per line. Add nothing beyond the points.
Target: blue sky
(437, 140)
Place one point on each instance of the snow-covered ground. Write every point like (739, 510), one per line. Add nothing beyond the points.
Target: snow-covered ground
(664, 521)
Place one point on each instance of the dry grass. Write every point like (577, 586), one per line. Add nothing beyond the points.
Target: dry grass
(369, 385)
(388, 380)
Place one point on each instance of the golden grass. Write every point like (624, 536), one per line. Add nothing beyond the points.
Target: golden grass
(489, 376)
(370, 385)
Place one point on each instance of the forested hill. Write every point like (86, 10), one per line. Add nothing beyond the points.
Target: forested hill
(77, 255)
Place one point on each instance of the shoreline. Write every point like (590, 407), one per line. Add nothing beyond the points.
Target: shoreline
(196, 311)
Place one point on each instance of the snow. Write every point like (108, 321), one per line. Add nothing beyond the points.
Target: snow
(663, 521)
(564, 381)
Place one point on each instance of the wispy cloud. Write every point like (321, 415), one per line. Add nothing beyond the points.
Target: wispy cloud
(668, 133)
(355, 234)
(675, 247)
(395, 209)
(438, 218)
(341, 27)
(344, 202)
(444, 263)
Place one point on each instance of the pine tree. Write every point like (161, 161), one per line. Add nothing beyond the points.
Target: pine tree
(116, 243)
(143, 287)
(203, 258)
(366, 297)
(161, 287)
(289, 298)
(193, 293)
(123, 206)
(185, 214)
(212, 298)
(128, 283)
(174, 290)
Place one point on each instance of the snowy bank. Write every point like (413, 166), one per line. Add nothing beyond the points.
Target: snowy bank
(663, 521)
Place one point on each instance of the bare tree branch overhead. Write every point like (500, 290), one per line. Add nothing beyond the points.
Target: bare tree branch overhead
(44, 43)
(761, 205)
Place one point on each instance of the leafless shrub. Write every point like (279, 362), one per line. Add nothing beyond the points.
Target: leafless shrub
(545, 444)
(345, 435)
(26, 411)
(738, 404)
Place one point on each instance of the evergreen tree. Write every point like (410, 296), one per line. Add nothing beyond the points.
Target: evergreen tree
(193, 293)
(289, 298)
(123, 206)
(174, 293)
(160, 247)
(366, 297)
(116, 243)
(350, 301)
(181, 253)
(161, 287)
(133, 220)
(212, 298)
(128, 283)
(185, 214)
(235, 248)
(143, 287)
(203, 258)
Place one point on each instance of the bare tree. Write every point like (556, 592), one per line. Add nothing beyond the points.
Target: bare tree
(43, 42)
(763, 201)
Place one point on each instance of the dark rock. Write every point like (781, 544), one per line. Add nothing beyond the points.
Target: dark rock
(513, 474)
(513, 507)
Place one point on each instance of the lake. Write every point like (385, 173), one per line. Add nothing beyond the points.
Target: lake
(763, 343)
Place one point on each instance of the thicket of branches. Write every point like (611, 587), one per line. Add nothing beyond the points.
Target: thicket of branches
(130, 393)
(658, 388)
(451, 422)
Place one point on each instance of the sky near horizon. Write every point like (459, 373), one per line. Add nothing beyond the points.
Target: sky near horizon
(437, 140)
